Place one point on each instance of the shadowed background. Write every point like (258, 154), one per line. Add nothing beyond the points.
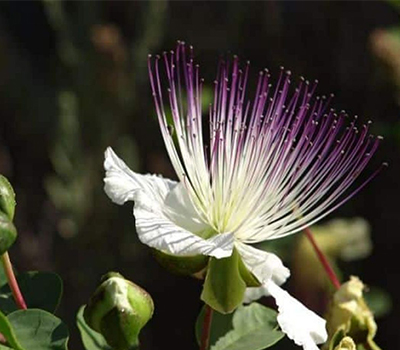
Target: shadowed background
(73, 80)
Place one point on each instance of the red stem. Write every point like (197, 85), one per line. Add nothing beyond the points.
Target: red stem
(322, 258)
(205, 334)
(12, 282)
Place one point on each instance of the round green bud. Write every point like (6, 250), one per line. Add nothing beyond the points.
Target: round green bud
(7, 198)
(8, 233)
(118, 310)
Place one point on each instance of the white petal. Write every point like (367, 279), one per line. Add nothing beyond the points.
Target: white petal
(265, 266)
(155, 200)
(254, 293)
(300, 324)
(179, 208)
(122, 184)
(157, 231)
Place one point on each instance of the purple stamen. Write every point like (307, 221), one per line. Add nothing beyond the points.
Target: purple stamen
(271, 166)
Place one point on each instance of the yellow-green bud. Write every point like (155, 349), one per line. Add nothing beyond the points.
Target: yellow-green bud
(7, 198)
(118, 310)
(350, 313)
(346, 344)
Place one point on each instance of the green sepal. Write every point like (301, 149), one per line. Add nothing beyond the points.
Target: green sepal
(181, 265)
(248, 277)
(224, 285)
(118, 310)
(119, 328)
(7, 198)
(8, 233)
(91, 339)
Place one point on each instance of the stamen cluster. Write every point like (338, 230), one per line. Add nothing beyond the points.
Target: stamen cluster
(264, 168)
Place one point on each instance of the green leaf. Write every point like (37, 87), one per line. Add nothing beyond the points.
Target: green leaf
(220, 325)
(41, 290)
(7, 198)
(8, 233)
(90, 338)
(224, 286)
(8, 332)
(379, 301)
(254, 328)
(38, 330)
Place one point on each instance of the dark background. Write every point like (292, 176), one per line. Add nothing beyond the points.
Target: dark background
(73, 80)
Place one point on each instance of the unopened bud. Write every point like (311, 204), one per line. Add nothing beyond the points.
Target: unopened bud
(7, 198)
(118, 310)
(8, 233)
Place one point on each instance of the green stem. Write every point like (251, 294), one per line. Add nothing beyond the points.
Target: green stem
(322, 258)
(12, 281)
(205, 334)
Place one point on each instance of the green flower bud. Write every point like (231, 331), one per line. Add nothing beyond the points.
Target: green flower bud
(8, 233)
(118, 310)
(7, 198)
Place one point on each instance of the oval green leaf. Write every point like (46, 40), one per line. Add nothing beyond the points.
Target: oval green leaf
(220, 325)
(254, 328)
(38, 330)
(41, 290)
(8, 332)
(90, 338)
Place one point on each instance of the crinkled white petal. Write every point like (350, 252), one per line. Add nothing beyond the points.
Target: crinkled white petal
(159, 232)
(122, 184)
(300, 324)
(162, 210)
(265, 266)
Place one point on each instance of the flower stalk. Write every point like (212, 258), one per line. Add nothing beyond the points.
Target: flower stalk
(323, 259)
(12, 281)
(205, 334)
